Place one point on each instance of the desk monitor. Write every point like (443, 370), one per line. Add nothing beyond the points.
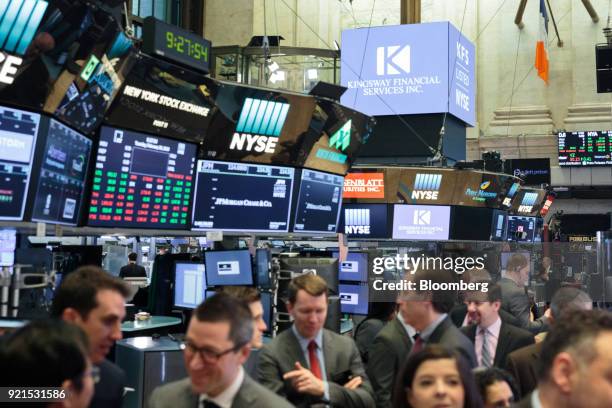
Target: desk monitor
(141, 181)
(268, 312)
(354, 268)
(521, 228)
(228, 268)
(318, 203)
(263, 258)
(62, 174)
(189, 284)
(242, 197)
(18, 132)
(354, 298)
(327, 268)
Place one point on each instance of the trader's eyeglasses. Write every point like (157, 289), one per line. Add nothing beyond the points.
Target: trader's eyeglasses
(207, 355)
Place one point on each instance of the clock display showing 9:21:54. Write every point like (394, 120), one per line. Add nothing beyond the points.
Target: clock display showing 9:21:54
(185, 46)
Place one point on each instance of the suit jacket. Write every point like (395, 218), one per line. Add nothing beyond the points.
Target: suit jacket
(108, 392)
(178, 394)
(386, 356)
(457, 315)
(364, 335)
(516, 302)
(132, 271)
(447, 335)
(523, 364)
(510, 338)
(342, 361)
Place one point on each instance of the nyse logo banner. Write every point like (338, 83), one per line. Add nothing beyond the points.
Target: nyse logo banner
(357, 221)
(259, 126)
(408, 69)
(19, 21)
(529, 200)
(426, 186)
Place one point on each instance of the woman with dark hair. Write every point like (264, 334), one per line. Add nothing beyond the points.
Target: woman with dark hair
(436, 377)
(49, 353)
(378, 315)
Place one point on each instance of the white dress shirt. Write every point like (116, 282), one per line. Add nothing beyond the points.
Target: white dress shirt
(226, 398)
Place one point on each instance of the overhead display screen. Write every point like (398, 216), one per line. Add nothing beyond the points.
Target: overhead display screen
(62, 176)
(141, 181)
(421, 222)
(364, 185)
(364, 220)
(521, 229)
(592, 148)
(354, 268)
(242, 197)
(18, 131)
(318, 202)
(528, 201)
(423, 186)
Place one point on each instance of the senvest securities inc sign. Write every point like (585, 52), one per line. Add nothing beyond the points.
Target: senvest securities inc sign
(409, 69)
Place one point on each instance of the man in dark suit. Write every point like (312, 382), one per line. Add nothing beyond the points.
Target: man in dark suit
(514, 298)
(132, 270)
(95, 301)
(308, 364)
(523, 363)
(217, 343)
(575, 363)
(493, 339)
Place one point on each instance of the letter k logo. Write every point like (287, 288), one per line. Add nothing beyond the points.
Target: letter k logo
(393, 59)
(421, 217)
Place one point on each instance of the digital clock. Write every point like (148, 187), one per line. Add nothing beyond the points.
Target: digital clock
(175, 44)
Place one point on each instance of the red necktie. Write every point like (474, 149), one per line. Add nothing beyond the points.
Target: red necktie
(418, 344)
(315, 368)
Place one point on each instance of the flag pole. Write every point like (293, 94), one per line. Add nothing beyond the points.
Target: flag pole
(552, 17)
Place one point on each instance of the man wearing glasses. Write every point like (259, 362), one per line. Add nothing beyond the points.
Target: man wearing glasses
(216, 345)
(95, 301)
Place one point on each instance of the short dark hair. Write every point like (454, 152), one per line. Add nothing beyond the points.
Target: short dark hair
(79, 289)
(441, 300)
(133, 256)
(312, 284)
(44, 353)
(575, 332)
(223, 307)
(568, 298)
(488, 377)
(407, 374)
(248, 294)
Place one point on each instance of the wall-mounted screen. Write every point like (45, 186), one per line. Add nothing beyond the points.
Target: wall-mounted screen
(498, 225)
(592, 148)
(18, 131)
(354, 298)
(242, 197)
(61, 181)
(521, 229)
(364, 220)
(354, 268)
(318, 202)
(421, 222)
(141, 181)
(226, 268)
(189, 284)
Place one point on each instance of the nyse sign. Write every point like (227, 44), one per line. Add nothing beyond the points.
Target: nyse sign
(9, 64)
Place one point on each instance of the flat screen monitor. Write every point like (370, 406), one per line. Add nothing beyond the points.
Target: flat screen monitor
(141, 181)
(520, 228)
(585, 148)
(8, 243)
(242, 197)
(318, 203)
(228, 268)
(18, 132)
(266, 303)
(189, 284)
(354, 268)
(61, 180)
(354, 298)
(498, 225)
(421, 222)
(327, 268)
(365, 221)
(262, 267)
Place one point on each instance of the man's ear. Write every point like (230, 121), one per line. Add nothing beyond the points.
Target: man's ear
(71, 315)
(289, 307)
(68, 388)
(245, 351)
(563, 371)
